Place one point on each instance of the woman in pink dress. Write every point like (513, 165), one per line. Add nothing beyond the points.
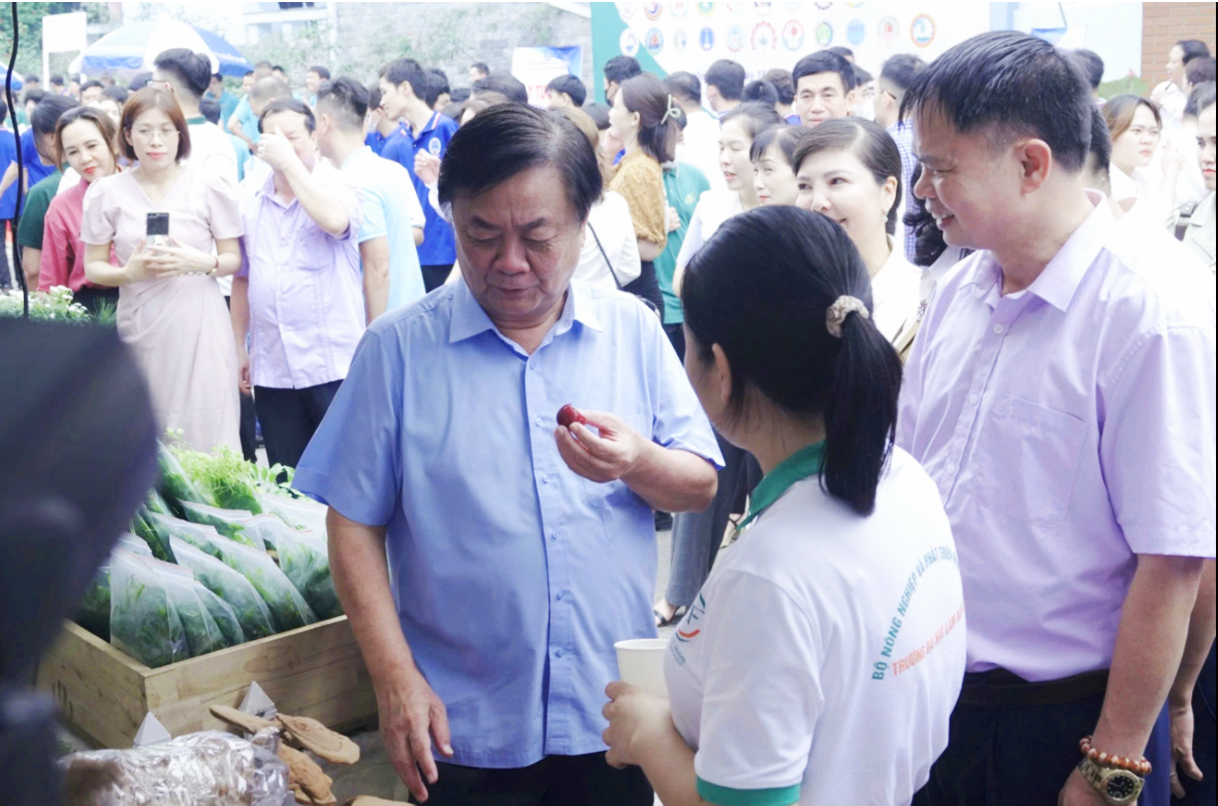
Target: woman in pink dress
(170, 309)
(87, 140)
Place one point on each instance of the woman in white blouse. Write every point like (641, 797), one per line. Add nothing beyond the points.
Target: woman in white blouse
(849, 170)
(610, 256)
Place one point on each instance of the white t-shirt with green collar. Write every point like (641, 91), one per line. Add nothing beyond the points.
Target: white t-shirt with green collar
(823, 657)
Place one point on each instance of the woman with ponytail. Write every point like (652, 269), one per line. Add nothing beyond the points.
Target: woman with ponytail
(821, 661)
(644, 118)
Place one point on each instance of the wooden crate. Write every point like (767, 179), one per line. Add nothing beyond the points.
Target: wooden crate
(314, 671)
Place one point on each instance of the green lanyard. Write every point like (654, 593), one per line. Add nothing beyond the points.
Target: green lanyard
(195, 121)
(796, 467)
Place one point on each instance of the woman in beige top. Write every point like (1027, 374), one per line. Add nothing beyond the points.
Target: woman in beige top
(643, 118)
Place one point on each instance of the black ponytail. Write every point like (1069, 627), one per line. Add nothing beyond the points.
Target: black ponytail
(761, 289)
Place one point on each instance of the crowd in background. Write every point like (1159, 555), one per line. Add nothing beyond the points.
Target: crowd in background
(296, 218)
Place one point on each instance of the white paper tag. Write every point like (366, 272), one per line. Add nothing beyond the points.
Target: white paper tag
(256, 702)
(151, 732)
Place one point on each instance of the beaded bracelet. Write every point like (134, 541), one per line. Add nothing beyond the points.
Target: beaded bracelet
(1138, 766)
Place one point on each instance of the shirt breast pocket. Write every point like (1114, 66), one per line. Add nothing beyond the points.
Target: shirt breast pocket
(616, 493)
(313, 251)
(1027, 459)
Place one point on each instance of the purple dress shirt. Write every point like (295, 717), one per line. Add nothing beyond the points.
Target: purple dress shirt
(306, 295)
(1069, 428)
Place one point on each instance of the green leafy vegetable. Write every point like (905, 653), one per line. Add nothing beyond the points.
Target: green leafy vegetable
(303, 558)
(94, 612)
(228, 522)
(143, 524)
(230, 585)
(225, 616)
(144, 622)
(176, 486)
(203, 635)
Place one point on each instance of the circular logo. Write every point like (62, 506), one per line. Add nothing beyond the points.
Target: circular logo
(678, 9)
(922, 30)
(888, 30)
(679, 40)
(855, 31)
(764, 37)
(763, 9)
(654, 41)
(626, 10)
(706, 39)
(653, 10)
(735, 38)
(793, 35)
(823, 6)
(824, 34)
(434, 146)
(706, 9)
(734, 8)
(628, 43)
(689, 198)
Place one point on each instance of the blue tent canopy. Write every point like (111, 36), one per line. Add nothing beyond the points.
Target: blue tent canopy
(133, 48)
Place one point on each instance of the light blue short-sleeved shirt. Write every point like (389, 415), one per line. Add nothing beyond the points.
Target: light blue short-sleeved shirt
(513, 576)
(388, 195)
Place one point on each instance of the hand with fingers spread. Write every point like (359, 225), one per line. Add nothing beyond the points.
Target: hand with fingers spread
(412, 716)
(602, 457)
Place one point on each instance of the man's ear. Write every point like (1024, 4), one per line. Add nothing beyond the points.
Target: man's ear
(1036, 163)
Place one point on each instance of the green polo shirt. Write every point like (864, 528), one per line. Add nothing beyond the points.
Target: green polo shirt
(34, 211)
(683, 186)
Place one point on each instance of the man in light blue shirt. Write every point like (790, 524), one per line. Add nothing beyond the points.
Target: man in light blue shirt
(393, 217)
(488, 557)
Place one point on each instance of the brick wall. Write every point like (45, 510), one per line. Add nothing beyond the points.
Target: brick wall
(1164, 24)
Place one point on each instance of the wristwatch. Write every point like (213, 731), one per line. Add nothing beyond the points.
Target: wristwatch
(1117, 786)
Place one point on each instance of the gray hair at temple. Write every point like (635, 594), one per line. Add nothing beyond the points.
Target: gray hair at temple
(508, 139)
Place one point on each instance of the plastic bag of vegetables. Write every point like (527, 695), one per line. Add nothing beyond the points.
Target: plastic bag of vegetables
(144, 524)
(302, 556)
(94, 613)
(223, 613)
(299, 513)
(156, 503)
(144, 621)
(224, 475)
(167, 526)
(230, 585)
(228, 522)
(203, 635)
(176, 486)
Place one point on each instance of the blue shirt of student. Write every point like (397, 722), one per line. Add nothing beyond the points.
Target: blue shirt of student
(9, 144)
(401, 146)
(512, 576)
(376, 141)
(35, 171)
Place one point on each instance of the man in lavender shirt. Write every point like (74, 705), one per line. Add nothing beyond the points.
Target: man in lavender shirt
(1061, 395)
(299, 293)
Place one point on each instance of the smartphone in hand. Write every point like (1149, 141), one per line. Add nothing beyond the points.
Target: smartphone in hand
(156, 232)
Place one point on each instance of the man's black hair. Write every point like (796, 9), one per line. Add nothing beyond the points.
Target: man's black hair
(408, 70)
(190, 70)
(507, 139)
(824, 61)
(32, 79)
(899, 72)
(88, 85)
(783, 85)
(685, 87)
(762, 91)
(599, 114)
(726, 76)
(117, 94)
(861, 76)
(1091, 64)
(289, 105)
(843, 51)
(482, 68)
(504, 83)
(1099, 153)
(275, 67)
(3, 112)
(622, 68)
(459, 95)
(345, 99)
(139, 81)
(1014, 85)
(1193, 49)
(210, 110)
(437, 85)
(572, 86)
(48, 112)
(247, 73)
(57, 80)
(322, 72)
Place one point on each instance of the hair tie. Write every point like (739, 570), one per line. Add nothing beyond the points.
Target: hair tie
(842, 307)
(672, 112)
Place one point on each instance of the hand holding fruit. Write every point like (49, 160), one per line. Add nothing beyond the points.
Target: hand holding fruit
(603, 457)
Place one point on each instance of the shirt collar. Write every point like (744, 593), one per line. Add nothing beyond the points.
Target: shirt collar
(1061, 277)
(796, 467)
(469, 319)
(195, 121)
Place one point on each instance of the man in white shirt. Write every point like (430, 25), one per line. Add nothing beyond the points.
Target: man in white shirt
(1170, 95)
(700, 140)
(187, 75)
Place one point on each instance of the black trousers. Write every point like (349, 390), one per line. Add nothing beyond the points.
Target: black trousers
(676, 335)
(1205, 746)
(553, 781)
(289, 417)
(434, 276)
(248, 429)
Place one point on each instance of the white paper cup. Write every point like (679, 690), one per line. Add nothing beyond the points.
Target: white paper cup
(640, 662)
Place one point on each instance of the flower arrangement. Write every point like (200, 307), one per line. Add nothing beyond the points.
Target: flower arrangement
(55, 305)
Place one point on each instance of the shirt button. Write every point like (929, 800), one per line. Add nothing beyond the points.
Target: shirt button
(973, 398)
(545, 479)
(999, 329)
(553, 535)
(539, 421)
(559, 596)
(533, 367)
(558, 653)
(950, 467)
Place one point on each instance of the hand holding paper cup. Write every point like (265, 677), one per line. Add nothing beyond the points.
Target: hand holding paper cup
(640, 662)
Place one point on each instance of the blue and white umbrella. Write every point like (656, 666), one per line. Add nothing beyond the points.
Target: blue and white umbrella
(132, 49)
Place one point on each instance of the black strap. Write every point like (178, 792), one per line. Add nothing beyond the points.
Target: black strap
(1184, 217)
(608, 262)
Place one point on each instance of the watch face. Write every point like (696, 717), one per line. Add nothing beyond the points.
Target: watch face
(1121, 787)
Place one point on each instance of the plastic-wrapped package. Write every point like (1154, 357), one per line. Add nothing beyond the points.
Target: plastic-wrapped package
(228, 522)
(156, 503)
(94, 612)
(168, 527)
(225, 616)
(230, 585)
(144, 525)
(144, 621)
(203, 635)
(210, 767)
(303, 558)
(175, 485)
(299, 513)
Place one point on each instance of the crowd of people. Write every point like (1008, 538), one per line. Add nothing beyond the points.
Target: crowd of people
(932, 350)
